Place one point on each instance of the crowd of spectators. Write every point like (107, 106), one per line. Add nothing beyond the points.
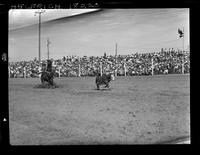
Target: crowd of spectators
(163, 62)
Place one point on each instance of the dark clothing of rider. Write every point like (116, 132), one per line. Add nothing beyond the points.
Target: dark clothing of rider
(49, 66)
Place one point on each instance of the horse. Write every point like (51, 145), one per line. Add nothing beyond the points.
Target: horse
(47, 73)
(103, 80)
(48, 77)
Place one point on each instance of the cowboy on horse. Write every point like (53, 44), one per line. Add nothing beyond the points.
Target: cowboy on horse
(47, 73)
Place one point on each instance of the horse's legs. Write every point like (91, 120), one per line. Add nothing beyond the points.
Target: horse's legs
(51, 81)
(97, 86)
(107, 86)
(42, 79)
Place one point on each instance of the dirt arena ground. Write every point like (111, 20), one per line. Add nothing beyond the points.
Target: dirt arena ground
(135, 110)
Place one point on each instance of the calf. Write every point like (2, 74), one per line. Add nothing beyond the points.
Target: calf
(104, 80)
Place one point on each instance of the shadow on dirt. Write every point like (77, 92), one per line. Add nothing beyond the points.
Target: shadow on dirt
(46, 86)
(103, 89)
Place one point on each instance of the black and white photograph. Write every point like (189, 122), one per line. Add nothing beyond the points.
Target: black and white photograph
(99, 76)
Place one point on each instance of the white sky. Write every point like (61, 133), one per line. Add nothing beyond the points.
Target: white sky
(134, 30)
(24, 17)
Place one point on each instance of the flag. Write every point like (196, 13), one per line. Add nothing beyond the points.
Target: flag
(104, 55)
(180, 32)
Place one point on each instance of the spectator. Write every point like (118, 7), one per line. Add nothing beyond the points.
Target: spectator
(165, 62)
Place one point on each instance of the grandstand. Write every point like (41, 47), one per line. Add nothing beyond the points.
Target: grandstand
(162, 62)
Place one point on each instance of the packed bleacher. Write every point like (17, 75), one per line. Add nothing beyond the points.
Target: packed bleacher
(163, 62)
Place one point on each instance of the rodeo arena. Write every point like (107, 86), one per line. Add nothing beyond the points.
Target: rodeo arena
(137, 98)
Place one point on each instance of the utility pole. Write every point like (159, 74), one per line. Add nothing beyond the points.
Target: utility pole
(48, 42)
(183, 54)
(39, 12)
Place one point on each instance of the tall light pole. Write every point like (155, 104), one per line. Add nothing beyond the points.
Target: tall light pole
(39, 12)
(48, 42)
